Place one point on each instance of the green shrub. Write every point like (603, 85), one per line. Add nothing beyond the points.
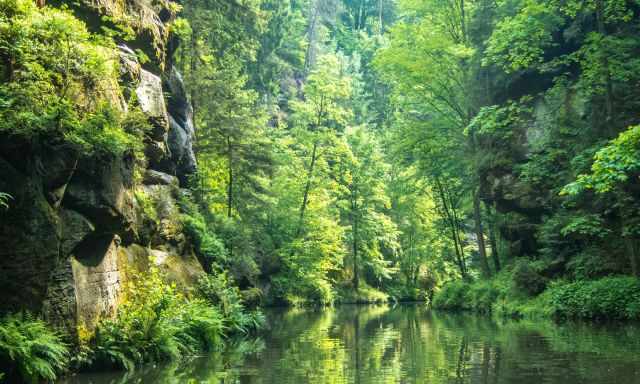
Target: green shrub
(155, 322)
(593, 263)
(365, 294)
(406, 292)
(527, 279)
(220, 291)
(208, 245)
(459, 295)
(30, 350)
(483, 295)
(454, 295)
(607, 298)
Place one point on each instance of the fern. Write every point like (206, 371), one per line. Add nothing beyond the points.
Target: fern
(30, 349)
(4, 200)
(155, 323)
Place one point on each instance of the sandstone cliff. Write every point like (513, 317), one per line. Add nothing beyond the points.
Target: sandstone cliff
(79, 224)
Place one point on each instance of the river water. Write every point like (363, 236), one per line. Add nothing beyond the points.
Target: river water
(407, 344)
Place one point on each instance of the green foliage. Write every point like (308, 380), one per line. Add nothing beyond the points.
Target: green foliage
(607, 298)
(364, 295)
(4, 200)
(219, 290)
(527, 279)
(458, 295)
(586, 225)
(612, 165)
(453, 296)
(155, 322)
(207, 243)
(48, 51)
(519, 42)
(148, 205)
(30, 350)
(106, 130)
(499, 122)
(592, 263)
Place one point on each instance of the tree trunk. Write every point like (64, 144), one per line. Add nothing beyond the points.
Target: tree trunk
(482, 250)
(463, 22)
(230, 185)
(453, 227)
(495, 256)
(356, 275)
(380, 17)
(458, 230)
(193, 65)
(633, 255)
(307, 188)
(311, 33)
(605, 64)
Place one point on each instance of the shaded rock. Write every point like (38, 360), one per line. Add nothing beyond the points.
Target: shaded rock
(181, 129)
(96, 282)
(148, 19)
(181, 147)
(75, 228)
(178, 103)
(152, 177)
(102, 192)
(156, 152)
(30, 236)
(71, 237)
(60, 306)
(129, 66)
(56, 168)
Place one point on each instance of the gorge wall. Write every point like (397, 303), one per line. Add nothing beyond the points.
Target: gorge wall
(79, 224)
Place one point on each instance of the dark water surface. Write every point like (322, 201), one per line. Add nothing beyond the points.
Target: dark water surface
(408, 344)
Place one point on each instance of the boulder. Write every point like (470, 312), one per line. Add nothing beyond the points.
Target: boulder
(75, 228)
(153, 177)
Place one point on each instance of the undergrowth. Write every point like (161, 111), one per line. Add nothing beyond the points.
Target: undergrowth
(614, 297)
(30, 351)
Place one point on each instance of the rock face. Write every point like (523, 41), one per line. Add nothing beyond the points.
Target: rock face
(78, 227)
(502, 183)
(182, 132)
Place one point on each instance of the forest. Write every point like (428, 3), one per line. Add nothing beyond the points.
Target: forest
(208, 158)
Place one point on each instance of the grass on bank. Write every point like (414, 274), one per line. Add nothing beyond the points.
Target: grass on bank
(613, 297)
(365, 294)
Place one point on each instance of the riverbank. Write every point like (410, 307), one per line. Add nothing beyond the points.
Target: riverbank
(155, 322)
(607, 298)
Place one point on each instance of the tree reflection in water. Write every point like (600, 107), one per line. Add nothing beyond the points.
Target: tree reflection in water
(409, 344)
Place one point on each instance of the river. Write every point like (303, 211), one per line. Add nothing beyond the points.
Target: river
(407, 344)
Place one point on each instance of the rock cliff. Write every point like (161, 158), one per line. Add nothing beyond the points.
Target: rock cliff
(80, 224)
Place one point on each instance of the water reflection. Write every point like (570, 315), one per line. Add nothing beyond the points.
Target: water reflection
(409, 344)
